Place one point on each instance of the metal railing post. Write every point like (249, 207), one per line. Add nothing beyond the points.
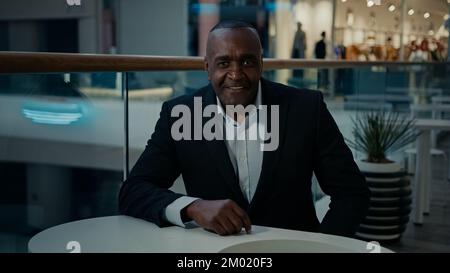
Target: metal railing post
(124, 87)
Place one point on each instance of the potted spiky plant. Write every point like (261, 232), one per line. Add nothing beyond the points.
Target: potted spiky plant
(377, 135)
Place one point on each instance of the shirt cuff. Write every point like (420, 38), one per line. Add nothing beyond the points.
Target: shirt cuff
(173, 210)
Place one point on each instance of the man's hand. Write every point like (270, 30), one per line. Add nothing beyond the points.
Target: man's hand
(224, 217)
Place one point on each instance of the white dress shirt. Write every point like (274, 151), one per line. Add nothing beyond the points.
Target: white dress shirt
(245, 153)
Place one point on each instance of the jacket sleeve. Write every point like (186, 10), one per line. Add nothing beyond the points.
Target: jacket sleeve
(339, 177)
(145, 193)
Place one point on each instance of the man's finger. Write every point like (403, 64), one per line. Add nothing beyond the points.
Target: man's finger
(217, 227)
(247, 223)
(244, 218)
(227, 225)
(237, 222)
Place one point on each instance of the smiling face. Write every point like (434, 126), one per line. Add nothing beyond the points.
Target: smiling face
(234, 64)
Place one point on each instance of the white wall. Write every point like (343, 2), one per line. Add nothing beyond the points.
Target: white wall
(316, 16)
(284, 29)
(284, 35)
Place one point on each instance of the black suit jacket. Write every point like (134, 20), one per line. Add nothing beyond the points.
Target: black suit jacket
(309, 142)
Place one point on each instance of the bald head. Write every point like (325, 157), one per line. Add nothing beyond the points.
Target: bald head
(231, 25)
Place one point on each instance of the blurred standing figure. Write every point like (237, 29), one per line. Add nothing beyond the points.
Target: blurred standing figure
(436, 49)
(299, 48)
(390, 51)
(320, 51)
(420, 53)
(421, 77)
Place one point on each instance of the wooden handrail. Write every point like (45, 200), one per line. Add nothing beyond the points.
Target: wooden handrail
(32, 62)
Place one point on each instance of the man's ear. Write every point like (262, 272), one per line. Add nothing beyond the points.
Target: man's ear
(206, 66)
(262, 62)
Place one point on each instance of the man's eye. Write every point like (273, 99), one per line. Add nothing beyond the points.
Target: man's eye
(248, 62)
(223, 64)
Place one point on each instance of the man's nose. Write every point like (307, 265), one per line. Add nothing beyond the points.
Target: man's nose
(235, 72)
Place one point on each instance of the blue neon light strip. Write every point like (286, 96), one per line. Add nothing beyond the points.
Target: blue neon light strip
(46, 117)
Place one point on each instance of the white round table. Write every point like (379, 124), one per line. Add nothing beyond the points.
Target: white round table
(128, 234)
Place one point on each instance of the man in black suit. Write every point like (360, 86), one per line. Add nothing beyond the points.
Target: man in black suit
(232, 184)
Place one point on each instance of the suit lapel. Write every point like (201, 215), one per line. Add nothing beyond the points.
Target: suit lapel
(219, 155)
(270, 158)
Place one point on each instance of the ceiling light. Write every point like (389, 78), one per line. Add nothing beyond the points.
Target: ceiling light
(446, 17)
(426, 15)
(410, 11)
(370, 3)
(391, 8)
(343, 1)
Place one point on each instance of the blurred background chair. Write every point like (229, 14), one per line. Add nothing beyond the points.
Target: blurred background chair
(433, 111)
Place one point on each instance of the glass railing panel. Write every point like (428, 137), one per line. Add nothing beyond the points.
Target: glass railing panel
(61, 159)
(349, 92)
(147, 92)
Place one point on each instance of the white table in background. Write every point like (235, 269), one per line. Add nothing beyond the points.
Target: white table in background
(423, 170)
(127, 234)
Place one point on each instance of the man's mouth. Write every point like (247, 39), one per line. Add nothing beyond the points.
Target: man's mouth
(236, 88)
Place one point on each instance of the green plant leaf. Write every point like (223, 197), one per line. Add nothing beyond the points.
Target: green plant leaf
(377, 134)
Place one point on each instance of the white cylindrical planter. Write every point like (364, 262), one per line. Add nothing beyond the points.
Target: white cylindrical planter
(390, 202)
